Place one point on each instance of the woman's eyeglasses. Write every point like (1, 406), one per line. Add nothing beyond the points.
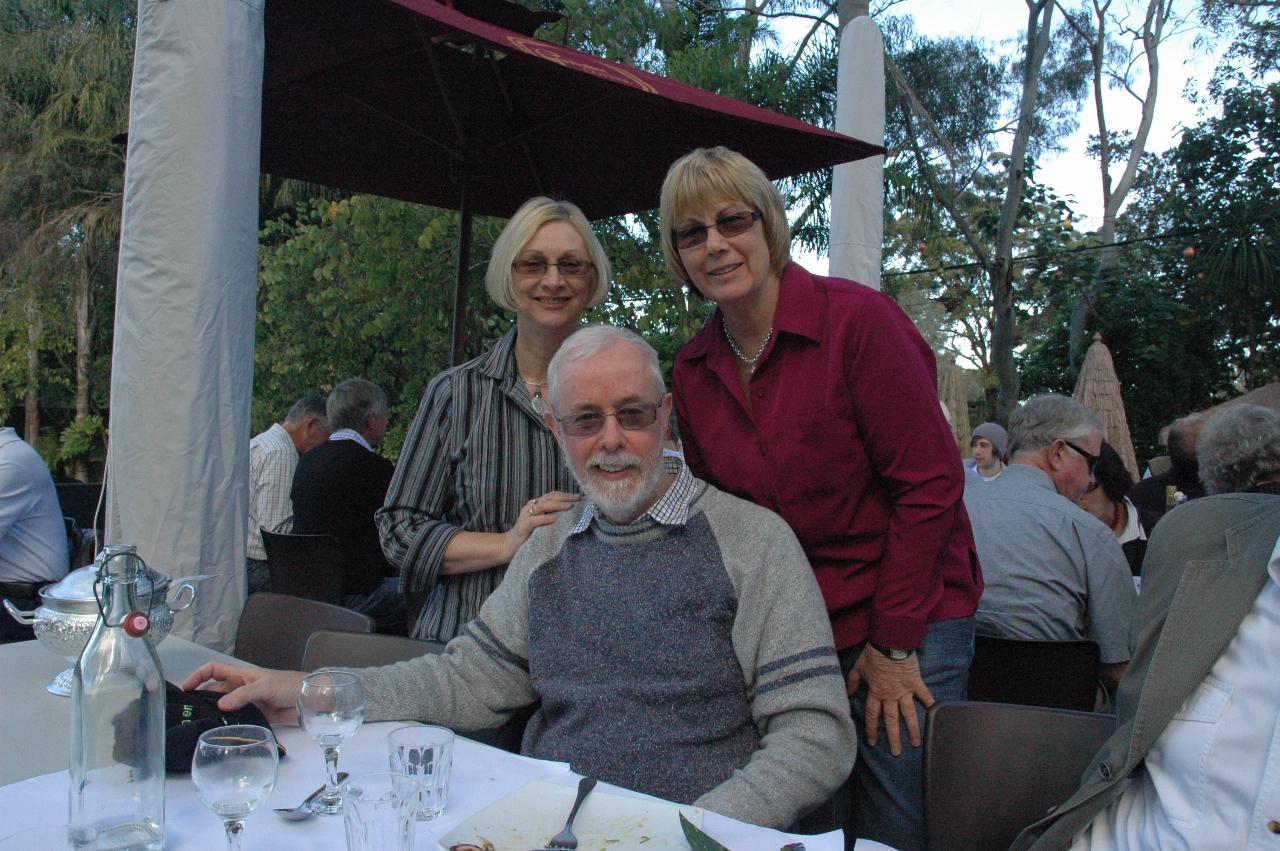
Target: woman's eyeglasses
(730, 225)
(568, 268)
(630, 417)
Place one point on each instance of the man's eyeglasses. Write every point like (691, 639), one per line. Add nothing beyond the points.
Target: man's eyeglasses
(568, 268)
(1088, 456)
(631, 417)
(730, 225)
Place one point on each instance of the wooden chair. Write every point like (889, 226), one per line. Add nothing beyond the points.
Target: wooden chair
(309, 566)
(339, 649)
(991, 769)
(1058, 674)
(274, 628)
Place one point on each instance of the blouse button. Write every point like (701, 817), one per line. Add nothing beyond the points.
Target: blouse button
(1105, 770)
(1273, 826)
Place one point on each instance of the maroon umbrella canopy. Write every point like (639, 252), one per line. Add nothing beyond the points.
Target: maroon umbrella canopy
(415, 100)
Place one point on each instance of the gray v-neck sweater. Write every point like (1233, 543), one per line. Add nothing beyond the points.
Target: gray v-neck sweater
(693, 662)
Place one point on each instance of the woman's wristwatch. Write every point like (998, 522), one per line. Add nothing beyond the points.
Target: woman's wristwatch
(894, 654)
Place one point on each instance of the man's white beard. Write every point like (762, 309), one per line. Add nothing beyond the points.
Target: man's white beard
(622, 501)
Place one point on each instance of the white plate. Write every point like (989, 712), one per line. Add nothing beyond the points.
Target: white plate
(532, 814)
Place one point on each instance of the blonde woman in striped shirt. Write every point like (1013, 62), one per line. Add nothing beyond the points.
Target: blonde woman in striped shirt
(479, 471)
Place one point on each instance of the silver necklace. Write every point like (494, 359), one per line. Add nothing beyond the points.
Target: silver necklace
(749, 361)
(536, 401)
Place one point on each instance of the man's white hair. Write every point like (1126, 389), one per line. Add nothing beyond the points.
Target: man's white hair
(592, 340)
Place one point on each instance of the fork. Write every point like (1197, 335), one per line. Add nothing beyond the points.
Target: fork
(565, 838)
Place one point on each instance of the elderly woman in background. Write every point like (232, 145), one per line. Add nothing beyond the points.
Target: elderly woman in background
(479, 471)
(815, 397)
(1239, 451)
(1107, 500)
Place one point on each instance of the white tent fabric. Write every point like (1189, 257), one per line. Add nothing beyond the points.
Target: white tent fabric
(182, 364)
(857, 196)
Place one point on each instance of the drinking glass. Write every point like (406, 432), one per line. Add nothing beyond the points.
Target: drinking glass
(426, 754)
(379, 812)
(234, 769)
(330, 710)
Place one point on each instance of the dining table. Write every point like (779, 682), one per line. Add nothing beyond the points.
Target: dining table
(34, 753)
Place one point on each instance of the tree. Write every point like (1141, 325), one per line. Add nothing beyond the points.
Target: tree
(64, 82)
(1050, 77)
(1113, 65)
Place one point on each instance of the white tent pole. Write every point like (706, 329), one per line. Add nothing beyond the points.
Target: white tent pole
(857, 197)
(182, 362)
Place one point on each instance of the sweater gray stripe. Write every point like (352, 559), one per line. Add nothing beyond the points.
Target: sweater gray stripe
(484, 636)
(799, 676)
(829, 652)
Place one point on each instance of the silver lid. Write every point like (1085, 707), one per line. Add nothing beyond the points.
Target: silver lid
(74, 592)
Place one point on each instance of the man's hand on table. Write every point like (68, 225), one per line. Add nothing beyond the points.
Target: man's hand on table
(892, 689)
(274, 692)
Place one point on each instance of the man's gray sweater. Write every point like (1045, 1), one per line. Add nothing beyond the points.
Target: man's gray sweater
(693, 662)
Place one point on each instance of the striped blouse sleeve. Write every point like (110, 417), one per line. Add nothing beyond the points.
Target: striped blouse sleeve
(414, 536)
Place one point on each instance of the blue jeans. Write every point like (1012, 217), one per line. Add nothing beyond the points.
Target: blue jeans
(888, 790)
(381, 602)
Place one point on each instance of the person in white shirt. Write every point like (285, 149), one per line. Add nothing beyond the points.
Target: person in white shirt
(33, 537)
(273, 456)
(1195, 759)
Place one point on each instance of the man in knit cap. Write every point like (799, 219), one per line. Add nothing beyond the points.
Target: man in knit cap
(673, 634)
(989, 444)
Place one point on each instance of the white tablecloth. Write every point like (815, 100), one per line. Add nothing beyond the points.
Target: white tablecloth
(33, 742)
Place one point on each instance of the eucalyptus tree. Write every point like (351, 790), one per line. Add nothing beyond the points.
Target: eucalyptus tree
(64, 83)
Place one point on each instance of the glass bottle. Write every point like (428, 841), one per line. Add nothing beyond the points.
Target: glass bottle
(117, 717)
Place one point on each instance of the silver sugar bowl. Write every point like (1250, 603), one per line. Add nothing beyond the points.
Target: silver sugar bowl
(68, 613)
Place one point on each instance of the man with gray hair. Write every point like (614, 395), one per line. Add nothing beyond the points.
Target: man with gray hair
(273, 456)
(340, 484)
(673, 635)
(1052, 570)
(1194, 759)
(1239, 451)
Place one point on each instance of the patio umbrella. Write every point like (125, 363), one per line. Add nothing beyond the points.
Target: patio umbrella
(1098, 389)
(413, 99)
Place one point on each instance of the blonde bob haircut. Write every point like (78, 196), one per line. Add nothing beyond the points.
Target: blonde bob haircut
(709, 174)
(499, 277)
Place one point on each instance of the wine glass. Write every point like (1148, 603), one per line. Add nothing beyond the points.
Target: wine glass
(234, 769)
(330, 710)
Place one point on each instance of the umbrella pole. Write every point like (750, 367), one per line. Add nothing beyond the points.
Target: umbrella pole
(462, 282)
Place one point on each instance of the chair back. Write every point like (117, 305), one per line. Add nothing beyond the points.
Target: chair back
(79, 501)
(1058, 674)
(992, 769)
(274, 628)
(333, 648)
(308, 566)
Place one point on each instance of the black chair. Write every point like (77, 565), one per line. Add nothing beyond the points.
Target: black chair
(1058, 674)
(309, 566)
(79, 501)
(992, 769)
(338, 649)
(274, 628)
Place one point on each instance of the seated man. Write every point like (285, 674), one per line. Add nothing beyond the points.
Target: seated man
(33, 535)
(674, 634)
(1052, 570)
(1194, 759)
(989, 442)
(340, 484)
(273, 457)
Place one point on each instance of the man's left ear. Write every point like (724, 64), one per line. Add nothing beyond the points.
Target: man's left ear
(549, 420)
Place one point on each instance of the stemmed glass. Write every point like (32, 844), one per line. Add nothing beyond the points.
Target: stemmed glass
(330, 710)
(234, 769)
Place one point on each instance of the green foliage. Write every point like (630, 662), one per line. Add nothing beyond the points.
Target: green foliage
(81, 440)
(362, 287)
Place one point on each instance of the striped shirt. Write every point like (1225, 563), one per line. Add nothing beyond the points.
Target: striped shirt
(475, 454)
(272, 460)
